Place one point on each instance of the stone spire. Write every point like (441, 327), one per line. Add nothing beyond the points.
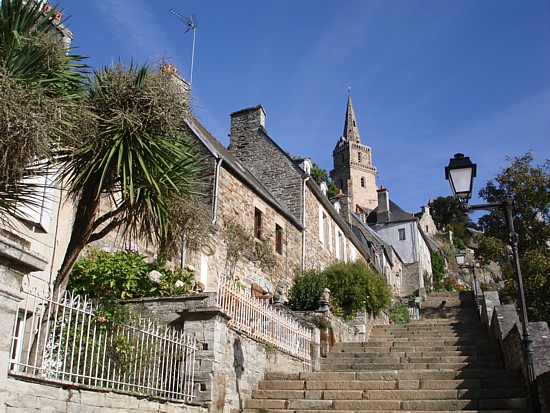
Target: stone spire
(351, 131)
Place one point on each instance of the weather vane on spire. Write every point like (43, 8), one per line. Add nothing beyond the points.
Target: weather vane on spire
(349, 89)
(191, 26)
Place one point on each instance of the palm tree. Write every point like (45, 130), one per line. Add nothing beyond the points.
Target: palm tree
(40, 87)
(132, 154)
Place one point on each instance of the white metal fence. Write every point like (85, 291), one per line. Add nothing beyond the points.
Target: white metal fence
(255, 317)
(68, 340)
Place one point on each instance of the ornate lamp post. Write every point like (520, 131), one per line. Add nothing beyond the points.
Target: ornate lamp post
(472, 269)
(460, 173)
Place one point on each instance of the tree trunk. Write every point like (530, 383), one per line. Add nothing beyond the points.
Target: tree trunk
(82, 229)
(86, 211)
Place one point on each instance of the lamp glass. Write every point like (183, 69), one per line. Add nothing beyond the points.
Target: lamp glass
(461, 182)
(460, 258)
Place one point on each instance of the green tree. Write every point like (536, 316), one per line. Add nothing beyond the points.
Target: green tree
(320, 175)
(40, 91)
(448, 213)
(528, 185)
(133, 152)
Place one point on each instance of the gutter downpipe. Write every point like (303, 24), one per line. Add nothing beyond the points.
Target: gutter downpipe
(216, 190)
(305, 178)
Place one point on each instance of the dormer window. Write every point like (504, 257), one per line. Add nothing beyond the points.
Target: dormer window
(307, 165)
(337, 206)
(324, 188)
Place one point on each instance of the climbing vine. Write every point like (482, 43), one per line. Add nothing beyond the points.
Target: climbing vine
(241, 244)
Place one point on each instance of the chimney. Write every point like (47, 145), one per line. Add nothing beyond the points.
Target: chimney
(244, 130)
(383, 212)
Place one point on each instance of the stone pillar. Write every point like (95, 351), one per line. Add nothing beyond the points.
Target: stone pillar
(16, 260)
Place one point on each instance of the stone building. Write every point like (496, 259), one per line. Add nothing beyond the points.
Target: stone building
(402, 230)
(315, 234)
(398, 240)
(353, 171)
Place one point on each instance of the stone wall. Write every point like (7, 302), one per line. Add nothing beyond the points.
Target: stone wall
(29, 397)
(544, 392)
(321, 249)
(237, 203)
(506, 328)
(16, 260)
(410, 279)
(230, 364)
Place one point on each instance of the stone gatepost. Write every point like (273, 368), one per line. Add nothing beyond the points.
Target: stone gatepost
(16, 260)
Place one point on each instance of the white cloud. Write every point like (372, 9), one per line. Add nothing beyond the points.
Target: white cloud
(136, 26)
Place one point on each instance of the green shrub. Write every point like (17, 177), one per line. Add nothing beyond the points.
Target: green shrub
(126, 274)
(306, 291)
(355, 286)
(399, 313)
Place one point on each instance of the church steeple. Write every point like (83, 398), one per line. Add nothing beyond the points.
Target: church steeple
(351, 131)
(353, 171)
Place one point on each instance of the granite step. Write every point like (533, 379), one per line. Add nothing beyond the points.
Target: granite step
(437, 365)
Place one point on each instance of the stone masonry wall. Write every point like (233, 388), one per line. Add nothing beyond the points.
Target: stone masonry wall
(410, 278)
(28, 397)
(506, 328)
(319, 254)
(237, 202)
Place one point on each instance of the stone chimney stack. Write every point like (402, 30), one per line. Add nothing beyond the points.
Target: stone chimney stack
(383, 213)
(246, 121)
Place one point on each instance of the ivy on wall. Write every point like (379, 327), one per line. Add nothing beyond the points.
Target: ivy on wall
(241, 244)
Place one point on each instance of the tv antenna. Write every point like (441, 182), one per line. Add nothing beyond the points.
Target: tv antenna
(191, 26)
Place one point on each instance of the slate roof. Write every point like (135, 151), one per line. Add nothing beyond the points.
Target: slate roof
(230, 162)
(397, 214)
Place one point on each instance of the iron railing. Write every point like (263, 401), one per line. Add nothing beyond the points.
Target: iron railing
(263, 322)
(69, 340)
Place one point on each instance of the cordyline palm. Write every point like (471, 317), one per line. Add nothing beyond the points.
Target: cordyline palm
(40, 87)
(133, 154)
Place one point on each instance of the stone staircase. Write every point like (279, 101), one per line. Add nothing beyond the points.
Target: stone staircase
(444, 362)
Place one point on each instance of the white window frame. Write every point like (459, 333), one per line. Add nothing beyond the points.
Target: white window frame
(402, 234)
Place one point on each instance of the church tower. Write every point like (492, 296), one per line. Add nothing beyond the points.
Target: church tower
(353, 172)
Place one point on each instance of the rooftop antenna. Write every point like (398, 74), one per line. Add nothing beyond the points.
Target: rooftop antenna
(191, 26)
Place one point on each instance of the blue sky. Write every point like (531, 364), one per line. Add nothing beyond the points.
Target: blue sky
(429, 78)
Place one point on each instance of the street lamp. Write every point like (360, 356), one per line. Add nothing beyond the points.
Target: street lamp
(460, 173)
(460, 260)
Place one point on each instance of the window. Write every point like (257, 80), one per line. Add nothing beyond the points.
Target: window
(278, 239)
(257, 223)
(402, 236)
(359, 157)
(362, 182)
(340, 246)
(326, 225)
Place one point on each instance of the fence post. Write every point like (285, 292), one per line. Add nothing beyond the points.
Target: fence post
(16, 260)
